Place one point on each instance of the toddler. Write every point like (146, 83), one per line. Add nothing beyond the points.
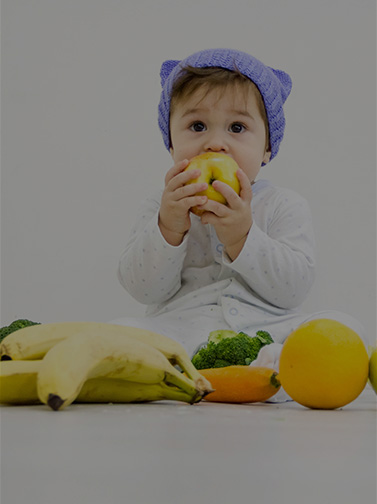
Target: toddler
(244, 265)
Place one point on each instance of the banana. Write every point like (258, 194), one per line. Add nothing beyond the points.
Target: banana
(105, 390)
(18, 382)
(91, 354)
(18, 385)
(33, 343)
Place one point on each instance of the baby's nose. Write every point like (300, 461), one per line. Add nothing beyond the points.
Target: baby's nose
(216, 143)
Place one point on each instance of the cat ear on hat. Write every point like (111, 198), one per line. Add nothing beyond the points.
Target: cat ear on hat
(285, 82)
(166, 69)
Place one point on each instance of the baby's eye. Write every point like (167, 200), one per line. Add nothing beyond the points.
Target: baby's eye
(197, 126)
(237, 127)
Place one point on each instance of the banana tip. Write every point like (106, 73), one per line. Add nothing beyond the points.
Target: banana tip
(204, 385)
(55, 402)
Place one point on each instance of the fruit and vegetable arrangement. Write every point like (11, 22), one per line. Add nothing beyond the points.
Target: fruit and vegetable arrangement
(225, 360)
(323, 365)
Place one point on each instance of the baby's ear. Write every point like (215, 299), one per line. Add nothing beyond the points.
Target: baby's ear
(267, 157)
(166, 68)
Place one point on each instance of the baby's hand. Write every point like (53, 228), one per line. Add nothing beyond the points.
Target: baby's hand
(233, 221)
(176, 201)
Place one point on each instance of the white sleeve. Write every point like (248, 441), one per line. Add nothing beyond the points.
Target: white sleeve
(149, 268)
(278, 263)
(268, 356)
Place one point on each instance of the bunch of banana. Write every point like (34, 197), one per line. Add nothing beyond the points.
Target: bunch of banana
(18, 385)
(59, 363)
(32, 343)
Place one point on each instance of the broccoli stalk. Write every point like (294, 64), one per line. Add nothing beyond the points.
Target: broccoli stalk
(15, 326)
(227, 348)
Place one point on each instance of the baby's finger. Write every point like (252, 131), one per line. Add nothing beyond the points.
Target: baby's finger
(175, 170)
(233, 199)
(246, 192)
(228, 192)
(214, 208)
(184, 182)
(189, 190)
(196, 201)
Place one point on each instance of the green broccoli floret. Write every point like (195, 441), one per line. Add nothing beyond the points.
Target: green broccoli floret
(265, 337)
(205, 357)
(231, 350)
(236, 350)
(15, 326)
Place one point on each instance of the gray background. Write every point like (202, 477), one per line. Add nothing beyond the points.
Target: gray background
(81, 145)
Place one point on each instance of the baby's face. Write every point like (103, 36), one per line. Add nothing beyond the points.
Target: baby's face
(220, 121)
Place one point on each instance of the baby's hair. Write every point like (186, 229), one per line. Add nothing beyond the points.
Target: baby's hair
(191, 79)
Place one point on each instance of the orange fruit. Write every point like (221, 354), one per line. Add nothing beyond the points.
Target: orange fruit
(323, 364)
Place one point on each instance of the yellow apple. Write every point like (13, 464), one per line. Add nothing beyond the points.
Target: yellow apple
(214, 166)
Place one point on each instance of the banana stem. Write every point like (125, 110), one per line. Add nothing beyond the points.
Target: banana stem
(184, 383)
(176, 394)
(201, 383)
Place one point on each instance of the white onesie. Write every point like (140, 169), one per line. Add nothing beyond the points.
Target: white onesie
(194, 288)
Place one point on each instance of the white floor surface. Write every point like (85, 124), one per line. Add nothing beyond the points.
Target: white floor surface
(173, 453)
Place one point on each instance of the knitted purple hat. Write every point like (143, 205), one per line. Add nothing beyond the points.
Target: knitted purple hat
(274, 86)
